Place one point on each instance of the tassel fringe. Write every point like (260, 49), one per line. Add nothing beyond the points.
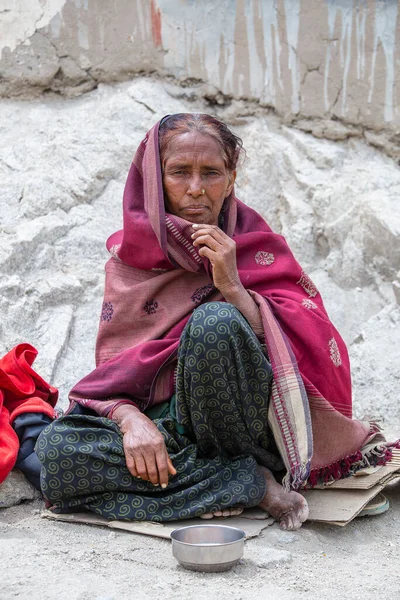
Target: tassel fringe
(295, 479)
(377, 456)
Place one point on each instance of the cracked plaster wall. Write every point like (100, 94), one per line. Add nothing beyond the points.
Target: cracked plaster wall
(330, 66)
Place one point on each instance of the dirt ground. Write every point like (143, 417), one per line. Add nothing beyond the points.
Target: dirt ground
(46, 560)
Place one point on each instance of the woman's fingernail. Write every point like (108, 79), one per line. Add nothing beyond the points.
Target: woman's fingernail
(195, 225)
(164, 485)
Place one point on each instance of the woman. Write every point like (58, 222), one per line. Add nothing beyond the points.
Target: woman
(217, 365)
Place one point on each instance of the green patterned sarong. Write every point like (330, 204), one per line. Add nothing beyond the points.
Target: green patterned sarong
(215, 430)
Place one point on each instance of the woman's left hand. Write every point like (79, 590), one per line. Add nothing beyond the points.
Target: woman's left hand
(220, 249)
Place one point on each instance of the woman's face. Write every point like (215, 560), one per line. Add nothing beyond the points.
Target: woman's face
(192, 163)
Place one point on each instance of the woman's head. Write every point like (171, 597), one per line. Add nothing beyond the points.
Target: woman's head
(231, 145)
(199, 155)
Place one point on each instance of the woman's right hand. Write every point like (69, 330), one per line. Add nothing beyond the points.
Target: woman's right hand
(145, 451)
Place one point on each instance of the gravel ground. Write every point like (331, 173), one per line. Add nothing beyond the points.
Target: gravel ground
(49, 560)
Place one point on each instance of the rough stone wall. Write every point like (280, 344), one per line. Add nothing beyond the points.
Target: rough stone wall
(63, 163)
(328, 68)
(314, 62)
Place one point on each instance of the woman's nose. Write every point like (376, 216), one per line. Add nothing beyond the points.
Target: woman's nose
(195, 185)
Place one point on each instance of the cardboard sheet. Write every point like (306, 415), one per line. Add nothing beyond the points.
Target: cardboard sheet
(251, 526)
(340, 502)
(338, 506)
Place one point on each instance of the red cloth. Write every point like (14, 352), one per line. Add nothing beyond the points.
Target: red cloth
(22, 390)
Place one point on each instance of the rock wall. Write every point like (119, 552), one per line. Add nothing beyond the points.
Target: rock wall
(63, 163)
(277, 71)
(329, 66)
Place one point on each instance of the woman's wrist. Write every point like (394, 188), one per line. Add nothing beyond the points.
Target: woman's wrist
(125, 413)
(234, 292)
(117, 403)
(239, 297)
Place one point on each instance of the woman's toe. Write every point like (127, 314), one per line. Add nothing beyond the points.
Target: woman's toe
(226, 512)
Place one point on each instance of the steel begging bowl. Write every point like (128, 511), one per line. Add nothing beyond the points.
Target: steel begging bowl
(208, 548)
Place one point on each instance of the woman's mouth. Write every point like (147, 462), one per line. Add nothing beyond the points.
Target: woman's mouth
(194, 210)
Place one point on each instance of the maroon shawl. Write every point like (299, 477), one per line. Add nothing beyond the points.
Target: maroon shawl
(156, 278)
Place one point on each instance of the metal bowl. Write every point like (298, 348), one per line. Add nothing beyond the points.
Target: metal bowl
(210, 548)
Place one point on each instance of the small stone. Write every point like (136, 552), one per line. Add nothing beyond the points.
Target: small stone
(15, 489)
(268, 558)
(287, 538)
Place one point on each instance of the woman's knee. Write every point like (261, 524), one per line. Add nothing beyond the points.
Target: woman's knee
(58, 443)
(220, 318)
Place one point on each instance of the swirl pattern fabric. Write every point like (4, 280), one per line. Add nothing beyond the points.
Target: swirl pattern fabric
(216, 436)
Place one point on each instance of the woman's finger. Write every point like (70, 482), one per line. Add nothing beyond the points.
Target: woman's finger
(162, 466)
(215, 239)
(129, 458)
(171, 468)
(151, 468)
(132, 468)
(130, 463)
(208, 253)
(141, 467)
(207, 240)
(211, 230)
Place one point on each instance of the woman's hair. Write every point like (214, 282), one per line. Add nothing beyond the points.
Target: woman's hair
(231, 145)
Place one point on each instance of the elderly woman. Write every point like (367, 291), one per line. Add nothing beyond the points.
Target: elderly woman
(218, 369)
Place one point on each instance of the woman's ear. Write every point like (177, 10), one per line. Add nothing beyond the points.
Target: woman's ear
(231, 183)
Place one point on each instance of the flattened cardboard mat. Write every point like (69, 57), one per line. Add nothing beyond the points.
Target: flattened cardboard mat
(340, 502)
(252, 523)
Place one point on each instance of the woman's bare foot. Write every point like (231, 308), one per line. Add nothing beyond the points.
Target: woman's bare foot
(226, 512)
(289, 508)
